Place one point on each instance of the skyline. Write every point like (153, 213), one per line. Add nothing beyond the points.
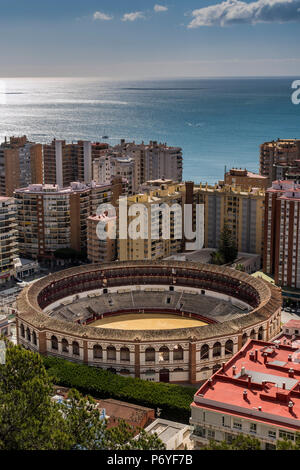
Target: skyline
(145, 39)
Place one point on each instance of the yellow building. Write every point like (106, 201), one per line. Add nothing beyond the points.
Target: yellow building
(155, 247)
(241, 210)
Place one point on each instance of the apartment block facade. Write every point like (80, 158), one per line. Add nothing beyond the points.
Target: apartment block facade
(153, 160)
(8, 238)
(155, 246)
(50, 217)
(108, 167)
(282, 233)
(241, 210)
(65, 163)
(101, 250)
(245, 179)
(21, 164)
(278, 157)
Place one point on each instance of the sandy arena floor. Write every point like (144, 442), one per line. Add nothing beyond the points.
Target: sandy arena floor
(155, 321)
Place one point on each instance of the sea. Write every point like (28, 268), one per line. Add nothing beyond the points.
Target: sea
(218, 122)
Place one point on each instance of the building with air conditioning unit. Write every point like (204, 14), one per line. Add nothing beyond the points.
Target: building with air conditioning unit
(256, 393)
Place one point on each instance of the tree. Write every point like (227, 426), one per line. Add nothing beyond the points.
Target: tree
(285, 444)
(241, 442)
(28, 418)
(240, 267)
(90, 432)
(227, 245)
(217, 258)
(31, 420)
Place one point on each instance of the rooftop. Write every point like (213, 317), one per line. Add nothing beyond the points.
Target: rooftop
(261, 382)
(292, 324)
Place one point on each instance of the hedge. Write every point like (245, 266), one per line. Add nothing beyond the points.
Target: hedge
(173, 400)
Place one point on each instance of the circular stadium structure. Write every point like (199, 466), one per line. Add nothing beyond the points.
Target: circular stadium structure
(167, 321)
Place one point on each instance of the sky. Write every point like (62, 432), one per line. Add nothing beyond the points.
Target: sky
(143, 39)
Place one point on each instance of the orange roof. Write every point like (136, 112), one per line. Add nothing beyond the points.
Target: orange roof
(271, 394)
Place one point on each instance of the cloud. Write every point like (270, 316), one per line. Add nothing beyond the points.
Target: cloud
(238, 12)
(98, 15)
(133, 16)
(159, 8)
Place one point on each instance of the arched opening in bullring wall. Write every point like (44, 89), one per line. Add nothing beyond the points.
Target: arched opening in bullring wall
(164, 375)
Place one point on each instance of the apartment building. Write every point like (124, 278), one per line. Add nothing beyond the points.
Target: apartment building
(153, 160)
(277, 157)
(256, 393)
(21, 164)
(101, 250)
(153, 244)
(8, 238)
(107, 167)
(245, 179)
(282, 229)
(242, 211)
(50, 217)
(65, 163)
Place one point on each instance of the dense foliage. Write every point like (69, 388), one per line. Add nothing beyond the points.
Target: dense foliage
(173, 400)
(240, 443)
(244, 442)
(227, 251)
(31, 420)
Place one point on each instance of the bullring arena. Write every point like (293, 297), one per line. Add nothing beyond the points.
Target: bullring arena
(167, 321)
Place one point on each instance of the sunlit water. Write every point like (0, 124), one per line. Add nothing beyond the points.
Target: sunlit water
(217, 122)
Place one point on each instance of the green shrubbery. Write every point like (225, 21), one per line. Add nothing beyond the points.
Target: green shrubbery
(173, 400)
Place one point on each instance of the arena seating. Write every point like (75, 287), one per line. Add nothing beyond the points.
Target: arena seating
(89, 307)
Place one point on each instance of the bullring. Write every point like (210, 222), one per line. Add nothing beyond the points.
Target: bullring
(59, 315)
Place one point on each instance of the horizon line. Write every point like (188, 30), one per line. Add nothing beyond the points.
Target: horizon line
(192, 77)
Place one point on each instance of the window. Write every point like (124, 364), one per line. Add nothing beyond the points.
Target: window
(244, 339)
(125, 354)
(210, 434)
(111, 353)
(22, 330)
(229, 347)
(34, 339)
(163, 354)
(75, 348)
(204, 352)
(272, 434)
(217, 350)
(54, 342)
(237, 424)
(150, 355)
(64, 345)
(178, 353)
(97, 351)
(198, 431)
(286, 435)
(28, 334)
(260, 335)
(253, 428)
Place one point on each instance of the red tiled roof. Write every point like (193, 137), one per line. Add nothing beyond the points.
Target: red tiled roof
(271, 389)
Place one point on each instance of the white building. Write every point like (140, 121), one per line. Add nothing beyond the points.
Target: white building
(175, 436)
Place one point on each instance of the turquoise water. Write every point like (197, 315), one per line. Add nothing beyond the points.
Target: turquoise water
(217, 122)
